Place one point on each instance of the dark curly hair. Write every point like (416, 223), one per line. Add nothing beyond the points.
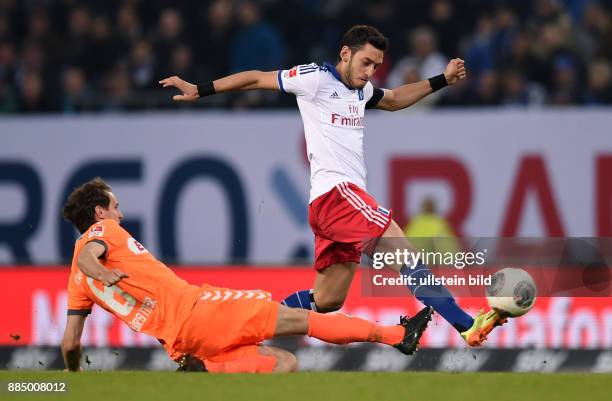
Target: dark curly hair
(356, 37)
(80, 207)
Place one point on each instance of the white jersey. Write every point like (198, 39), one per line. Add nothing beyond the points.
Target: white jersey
(333, 117)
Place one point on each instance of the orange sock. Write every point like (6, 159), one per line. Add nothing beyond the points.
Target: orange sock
(338, 328)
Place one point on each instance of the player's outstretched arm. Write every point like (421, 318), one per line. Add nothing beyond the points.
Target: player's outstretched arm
(407, 95)
(71, 343)
(246, 80)
(89, 263)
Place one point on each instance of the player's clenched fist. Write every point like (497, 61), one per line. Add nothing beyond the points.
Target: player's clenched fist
(189, 91)
(111, 277)
(455, 70)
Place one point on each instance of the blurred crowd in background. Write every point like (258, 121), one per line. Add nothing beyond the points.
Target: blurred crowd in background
(70, 56)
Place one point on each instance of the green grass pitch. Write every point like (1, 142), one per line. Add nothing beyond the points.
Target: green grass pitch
(151, 386)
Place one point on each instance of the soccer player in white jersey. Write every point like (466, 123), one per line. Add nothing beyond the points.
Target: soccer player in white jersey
(332, 100)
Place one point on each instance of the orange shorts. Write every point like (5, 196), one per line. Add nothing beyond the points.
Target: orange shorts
(226, 326)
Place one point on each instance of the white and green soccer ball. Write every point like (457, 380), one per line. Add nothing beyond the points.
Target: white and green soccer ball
(512, 292)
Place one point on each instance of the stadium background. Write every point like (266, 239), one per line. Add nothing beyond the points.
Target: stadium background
(219, 188)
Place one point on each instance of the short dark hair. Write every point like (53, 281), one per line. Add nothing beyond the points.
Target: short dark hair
(80, 208)
(357, 37)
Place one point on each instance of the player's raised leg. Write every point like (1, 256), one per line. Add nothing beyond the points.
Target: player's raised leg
(330, 289)
(332, 285)
(338, 328)
(337, 245)
(335, 264)
(473, 330)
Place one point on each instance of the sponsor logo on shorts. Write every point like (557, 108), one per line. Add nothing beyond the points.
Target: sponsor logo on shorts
(383, 210)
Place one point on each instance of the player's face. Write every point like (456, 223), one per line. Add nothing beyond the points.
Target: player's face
(113, 212)
(362, 65)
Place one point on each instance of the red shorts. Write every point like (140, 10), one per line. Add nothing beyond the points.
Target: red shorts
(342, 220)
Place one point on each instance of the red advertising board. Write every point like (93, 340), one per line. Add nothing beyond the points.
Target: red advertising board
(34, 304)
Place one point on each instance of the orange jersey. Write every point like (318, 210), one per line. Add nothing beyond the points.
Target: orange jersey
(152, 300)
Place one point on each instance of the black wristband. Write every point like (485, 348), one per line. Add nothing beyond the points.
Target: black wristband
(438, 82)
(206, 89)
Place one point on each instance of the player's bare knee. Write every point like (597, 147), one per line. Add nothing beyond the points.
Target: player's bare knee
(286, 362)
(291, 363)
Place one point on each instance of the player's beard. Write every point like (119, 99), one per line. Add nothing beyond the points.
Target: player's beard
(349, 75)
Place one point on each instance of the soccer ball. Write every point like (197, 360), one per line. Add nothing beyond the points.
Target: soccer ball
(512, 292)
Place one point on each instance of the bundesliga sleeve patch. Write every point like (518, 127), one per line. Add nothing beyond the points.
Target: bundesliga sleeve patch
(96, 231)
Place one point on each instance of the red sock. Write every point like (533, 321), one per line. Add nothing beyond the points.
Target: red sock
(338, 328)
